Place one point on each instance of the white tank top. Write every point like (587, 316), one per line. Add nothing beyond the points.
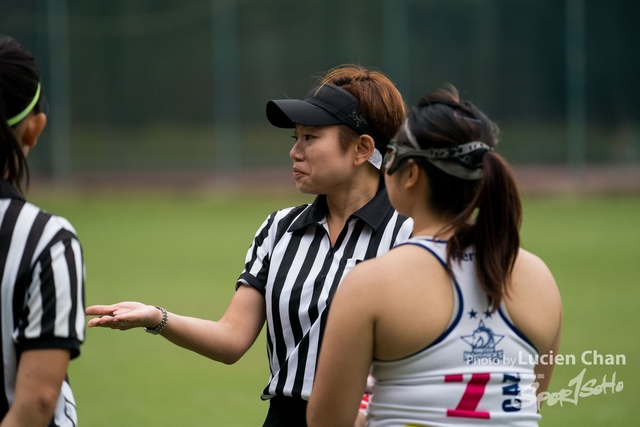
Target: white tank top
(478, 372)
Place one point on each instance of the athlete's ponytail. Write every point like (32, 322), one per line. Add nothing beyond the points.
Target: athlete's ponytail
(495, 232)
(19, 91)
(469, 184)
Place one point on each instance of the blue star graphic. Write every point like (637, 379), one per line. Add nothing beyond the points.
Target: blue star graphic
(487, 314)
(472, 314)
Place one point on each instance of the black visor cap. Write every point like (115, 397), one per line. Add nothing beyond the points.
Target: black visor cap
(324, 105)
(320, 107)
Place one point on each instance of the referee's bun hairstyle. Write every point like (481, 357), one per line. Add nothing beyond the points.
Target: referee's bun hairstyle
(19, 80)
(442, 120)
(380, 101)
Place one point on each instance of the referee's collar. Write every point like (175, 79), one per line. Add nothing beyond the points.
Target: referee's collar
(7, 191)
(373, 213)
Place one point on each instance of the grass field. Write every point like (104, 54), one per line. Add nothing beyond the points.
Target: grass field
(185, 253)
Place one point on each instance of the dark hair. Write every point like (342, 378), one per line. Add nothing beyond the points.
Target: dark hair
(380, 100)
(19, 79)
(442, 120)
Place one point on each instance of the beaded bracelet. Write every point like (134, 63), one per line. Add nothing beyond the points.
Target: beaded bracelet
(160, 327)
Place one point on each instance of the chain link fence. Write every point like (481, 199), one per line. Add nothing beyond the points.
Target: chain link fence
(176, 85)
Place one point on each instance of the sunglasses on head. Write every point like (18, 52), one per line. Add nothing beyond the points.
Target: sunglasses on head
(397, 153)
(460, 153)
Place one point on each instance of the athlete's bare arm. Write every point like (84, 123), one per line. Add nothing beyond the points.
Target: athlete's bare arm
(535, 306)
(345, 356)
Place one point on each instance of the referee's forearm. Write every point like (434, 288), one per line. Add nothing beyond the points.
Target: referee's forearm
(227, 340)
(211, 339)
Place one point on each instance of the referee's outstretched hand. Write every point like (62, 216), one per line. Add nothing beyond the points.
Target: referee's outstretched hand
(124, 316)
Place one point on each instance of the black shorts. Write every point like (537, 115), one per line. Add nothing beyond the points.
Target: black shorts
(286, 411)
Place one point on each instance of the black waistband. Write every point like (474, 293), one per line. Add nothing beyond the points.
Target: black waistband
(286, 411)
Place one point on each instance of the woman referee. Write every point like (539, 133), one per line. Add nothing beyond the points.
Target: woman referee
(42, 295)
(300, 255)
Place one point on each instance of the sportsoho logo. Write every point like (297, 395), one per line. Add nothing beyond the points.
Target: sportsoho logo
(578, 387)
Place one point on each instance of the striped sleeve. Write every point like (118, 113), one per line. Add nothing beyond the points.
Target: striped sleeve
(257, 261)
(53, 299)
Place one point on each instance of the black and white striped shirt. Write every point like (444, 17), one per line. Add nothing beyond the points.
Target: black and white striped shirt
(293, 264)
(42, 292)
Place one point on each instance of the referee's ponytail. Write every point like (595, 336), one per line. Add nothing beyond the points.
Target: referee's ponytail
(469, 184)
(19, 84)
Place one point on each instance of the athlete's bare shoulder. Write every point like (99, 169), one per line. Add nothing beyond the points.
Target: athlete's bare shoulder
(532, 277)
(402, 263)
(406, 292)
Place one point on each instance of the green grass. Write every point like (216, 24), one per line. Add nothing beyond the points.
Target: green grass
(185, 253)
(590, 246)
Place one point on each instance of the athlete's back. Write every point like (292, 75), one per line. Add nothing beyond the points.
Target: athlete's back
(480, 369)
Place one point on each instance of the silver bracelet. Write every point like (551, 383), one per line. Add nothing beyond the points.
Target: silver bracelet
(160, 327)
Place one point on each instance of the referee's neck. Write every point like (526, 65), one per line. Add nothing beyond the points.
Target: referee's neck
(341, 205)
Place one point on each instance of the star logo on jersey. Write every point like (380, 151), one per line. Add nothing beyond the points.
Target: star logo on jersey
(483, 343)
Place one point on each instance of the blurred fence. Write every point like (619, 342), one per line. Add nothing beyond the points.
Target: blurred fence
(139, 85)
